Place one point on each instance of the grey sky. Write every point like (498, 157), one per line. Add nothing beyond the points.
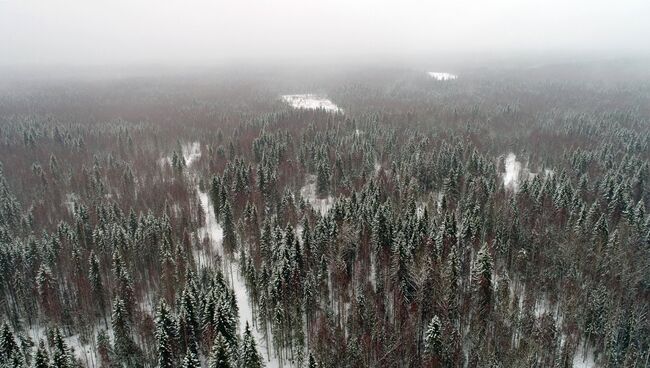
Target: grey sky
(80, 32)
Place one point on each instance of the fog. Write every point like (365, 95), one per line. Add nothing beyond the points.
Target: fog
(205, 32)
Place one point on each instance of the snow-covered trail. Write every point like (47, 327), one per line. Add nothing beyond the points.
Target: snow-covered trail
(214, 232)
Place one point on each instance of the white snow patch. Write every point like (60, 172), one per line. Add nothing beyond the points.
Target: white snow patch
(377, 167)
(442, 76)
(86, 353)
(310, 102)
(70, 200)
(511, 176)
(419, 210)
(308, 193)
(212, 231)
(515, 172)
(191, 152)
(584, 358)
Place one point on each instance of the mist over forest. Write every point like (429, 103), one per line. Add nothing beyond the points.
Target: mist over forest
(220, 184)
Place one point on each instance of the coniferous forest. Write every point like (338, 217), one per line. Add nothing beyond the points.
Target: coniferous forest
(498, 219)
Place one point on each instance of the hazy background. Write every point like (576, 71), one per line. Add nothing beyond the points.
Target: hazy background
(209, 32)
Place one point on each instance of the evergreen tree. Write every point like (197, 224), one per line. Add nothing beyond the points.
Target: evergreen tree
(10, 353)
(61, 356)
(323, 179)
(41, 359)
(220, 355)
(96, 284)
(126, 350)
(482, 278)
(166, 336)
(249, 356)
(191, 360)
(433, 338)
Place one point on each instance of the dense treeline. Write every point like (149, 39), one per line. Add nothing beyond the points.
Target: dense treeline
(194, 225)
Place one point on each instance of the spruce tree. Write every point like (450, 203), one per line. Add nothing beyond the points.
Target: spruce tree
(249, 356)
(61, 356)
(10, 353)
(41, 359)
(166, 337)
(191, 360)
(220, 355)
(126, 350)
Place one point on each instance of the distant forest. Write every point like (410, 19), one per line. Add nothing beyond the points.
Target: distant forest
(500, 219)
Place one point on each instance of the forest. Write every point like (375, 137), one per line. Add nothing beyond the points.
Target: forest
(377, 217)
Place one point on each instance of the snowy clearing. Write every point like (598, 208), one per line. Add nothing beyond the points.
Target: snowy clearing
(191, 152)
(514, 171)
(308, 193)
(511, 176)
(311, 102)
(442, 76)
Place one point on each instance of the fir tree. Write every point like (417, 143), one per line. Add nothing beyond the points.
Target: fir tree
(249, 356)
(433, 338)
(220, 355)
(191, 360)
(41, 359)
(126, 350)
(166, 336)
(61, 356)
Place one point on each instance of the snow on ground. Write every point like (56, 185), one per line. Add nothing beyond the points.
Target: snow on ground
(212, 231)
(310, 101)
(515, 171)
(419, 210)
(308, 192)
(511, 176)
(377, 167)
(191, 152)
(584, 358)
(86, 353)
(70, 200)
(442, 76)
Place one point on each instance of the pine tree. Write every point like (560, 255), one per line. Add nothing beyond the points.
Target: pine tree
(311, 362)
(482, 278)
(433, 338)
(47, 293)
(125, 349)
(220, 355)
(10, 352)
(166, 336)
(215, 195)
(61, 357)
(249, 356)
(323, 179)
(96, 284)
(104, 348)
(191, 360)
(41, 359)
(189, 316)
(225, 320)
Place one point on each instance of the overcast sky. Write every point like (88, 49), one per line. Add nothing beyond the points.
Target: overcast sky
(169, 32)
